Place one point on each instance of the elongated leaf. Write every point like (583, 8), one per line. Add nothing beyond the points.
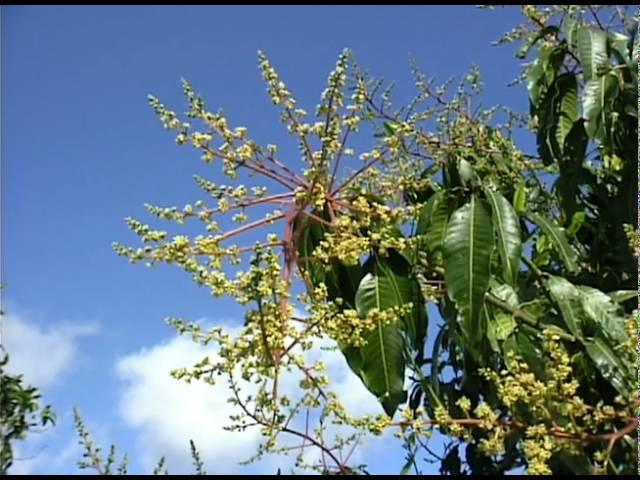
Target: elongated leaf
(567, 112)
(601, 309)
(610, 366)
(542, 73)
(492, 329)
(557, 114)
(433, 221)
(598, 95)
(570, 28)
(559, 239)
(592, 50)
(520, 199)
(618, 45)
(434, 392)
(567, 298)
(621, 296)
(507, 227)
(574, 151)
(386, 284)
(311, 233)
(467, 262)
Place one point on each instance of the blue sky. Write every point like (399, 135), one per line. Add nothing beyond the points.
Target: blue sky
(81, 150)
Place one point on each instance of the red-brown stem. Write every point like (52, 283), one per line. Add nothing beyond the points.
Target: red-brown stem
(316, 218)
(279, 199)
(283, 166)
(304, 436)
(355, 175)
(250, 226)
(272, 174)
(558, 433)
(321, 446)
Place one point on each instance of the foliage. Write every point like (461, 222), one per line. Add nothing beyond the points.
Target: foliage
(443, 207)
(20, 412)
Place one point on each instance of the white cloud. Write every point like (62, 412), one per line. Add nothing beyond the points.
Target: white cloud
(167, 413)
(41, 354)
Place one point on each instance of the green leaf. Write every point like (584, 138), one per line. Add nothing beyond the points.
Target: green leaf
(520, 199)
(507, 227)
(599, 94)
(542, 73)
(567, 298)
(618, 45)
(504, 325)
(592, 50)
(386, 284)
(390, 128)
(574, 151)
(601, 309)
(504, 292)
(610, 366)
(621, 296)
(341, 280)
(522, 345)
(433, 221)
(311, 233)
(559, 240)
(566, 106)
(570, 28)
(558, 112)
(467, 262)
(491, 329)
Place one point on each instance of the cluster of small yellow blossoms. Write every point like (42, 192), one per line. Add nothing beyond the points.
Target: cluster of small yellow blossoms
(270, 343)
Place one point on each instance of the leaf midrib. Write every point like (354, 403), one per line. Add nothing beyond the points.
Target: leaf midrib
(380, 335)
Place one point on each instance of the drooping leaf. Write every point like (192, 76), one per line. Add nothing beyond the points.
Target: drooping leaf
(431, 385)
(388, 283)
(612, 369)
(621, 296)
(574, 151)
(567, 298)
(520, 199)
(599, 93)
(542, 73)
(557, 113)
(467, 262)
(559, 240)
(570, 28)
(491, 329)
(507, 227)
(310, 234)
(601, 309)
(566, 86)
(433, 221)
(618, 45)
(592, 50)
